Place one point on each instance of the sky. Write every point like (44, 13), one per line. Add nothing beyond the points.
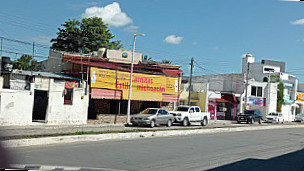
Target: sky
(216, 33)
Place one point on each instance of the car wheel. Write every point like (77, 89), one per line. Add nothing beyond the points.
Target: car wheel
(204, 122)
(135, 124)
(283, 122)
(185, 122)
(152, 124)
(260, 121)
(252, 121)
(169, 123)
(238, 122)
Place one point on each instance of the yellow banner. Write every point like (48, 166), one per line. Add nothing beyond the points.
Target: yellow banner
(144, 86)
(301, 97)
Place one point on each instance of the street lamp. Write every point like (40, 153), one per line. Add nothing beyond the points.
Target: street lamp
(130, 88)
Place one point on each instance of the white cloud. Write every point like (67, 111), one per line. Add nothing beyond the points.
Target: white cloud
(298, 22)
(110, 14)
(194, 43)
(173, 39)
(131, 29)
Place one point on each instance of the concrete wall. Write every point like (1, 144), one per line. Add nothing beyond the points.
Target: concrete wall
(117, 56)
(54, 62)
(60, 113)
(197, 98)
(220, 82)
(16, 106)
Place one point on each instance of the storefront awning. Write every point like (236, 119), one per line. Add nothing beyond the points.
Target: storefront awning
(227, 98)
(222, 100)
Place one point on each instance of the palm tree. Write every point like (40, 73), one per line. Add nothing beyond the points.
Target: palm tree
(23, 63)
(146, 58)
(165, 61)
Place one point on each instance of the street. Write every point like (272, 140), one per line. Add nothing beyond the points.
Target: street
(250, 150)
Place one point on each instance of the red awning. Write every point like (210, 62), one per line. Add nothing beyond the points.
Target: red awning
(222, 100)
(227, 98)
(124, 67)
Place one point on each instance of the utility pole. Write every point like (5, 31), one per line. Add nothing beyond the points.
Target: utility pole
(190, 82)
(81, 67)
(88, 70)
(32, 58)
(131, 75)
(246, 85)
(1, 56)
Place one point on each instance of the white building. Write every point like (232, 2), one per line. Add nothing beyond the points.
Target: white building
(263, 93)
(223, 93)
(27, 97)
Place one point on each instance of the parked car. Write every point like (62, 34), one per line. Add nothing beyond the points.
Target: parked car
(186, 114)
(274, 117)
(299, 117)
(153, 117)
(250, 116)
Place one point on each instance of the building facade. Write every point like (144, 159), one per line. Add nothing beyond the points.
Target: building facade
(261, 89)
(107, 74)
(28, 97)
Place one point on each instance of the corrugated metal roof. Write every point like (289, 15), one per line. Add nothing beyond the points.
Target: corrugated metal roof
(44, 74)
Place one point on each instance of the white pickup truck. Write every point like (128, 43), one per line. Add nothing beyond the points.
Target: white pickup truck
(187, 114)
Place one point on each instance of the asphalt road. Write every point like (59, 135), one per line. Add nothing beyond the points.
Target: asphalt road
(279, 149)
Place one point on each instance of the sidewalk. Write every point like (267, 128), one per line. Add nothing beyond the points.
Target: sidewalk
(120, 132)
(41, 129)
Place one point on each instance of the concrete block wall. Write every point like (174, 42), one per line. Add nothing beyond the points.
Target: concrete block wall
(16, 107)
(60, 113)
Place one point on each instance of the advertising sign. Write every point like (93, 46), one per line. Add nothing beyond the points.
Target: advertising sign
(257, 101)
(144, 86)
(300, 97)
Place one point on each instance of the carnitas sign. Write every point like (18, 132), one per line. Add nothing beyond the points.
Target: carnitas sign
(144, 86)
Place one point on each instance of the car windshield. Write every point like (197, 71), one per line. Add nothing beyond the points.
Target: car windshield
(273, 114)
(249, 112)
(183, 109)
(149, 111)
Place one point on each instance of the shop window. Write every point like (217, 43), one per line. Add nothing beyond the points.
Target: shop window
(259, 93)
(68, 96)
(265, 79)
(253, 90)
(256, 91)
(124, 55)
(68, 91)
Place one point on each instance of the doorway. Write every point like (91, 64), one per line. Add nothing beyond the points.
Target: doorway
(40, 105)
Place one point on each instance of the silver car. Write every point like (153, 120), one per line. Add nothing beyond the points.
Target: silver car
(153, 117)
(299, 117)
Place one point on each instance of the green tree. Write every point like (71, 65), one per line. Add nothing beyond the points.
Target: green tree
(86, 36)
(146, 58)
(280, 92)
(165, 61)
(25, 62)
(69, 37)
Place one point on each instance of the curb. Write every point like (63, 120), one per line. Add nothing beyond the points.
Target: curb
(135, 135)
(59, 168)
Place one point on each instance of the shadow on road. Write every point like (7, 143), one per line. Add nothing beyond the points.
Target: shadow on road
(290, 162)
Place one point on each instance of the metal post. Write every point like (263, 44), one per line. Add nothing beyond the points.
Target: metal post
(190, 82)
(131, 75)
(246, 86)
(130, 88)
